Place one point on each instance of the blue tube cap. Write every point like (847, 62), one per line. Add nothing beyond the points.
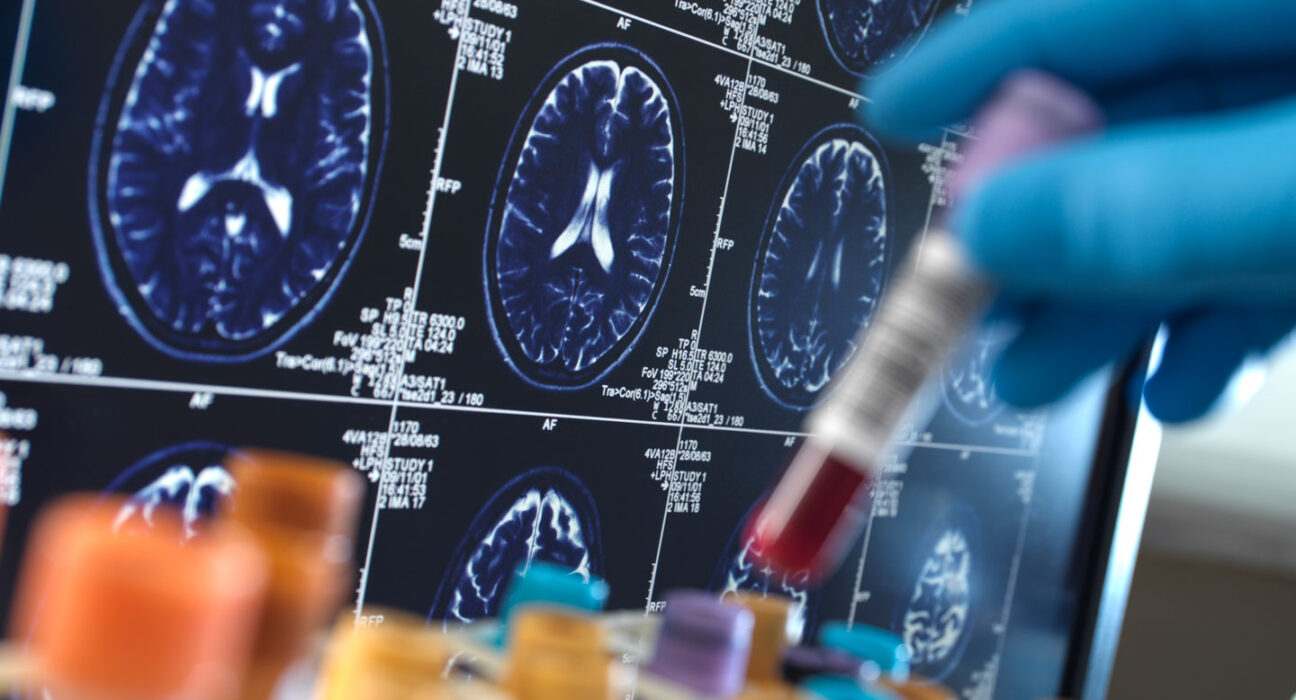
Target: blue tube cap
(883, 648)
(838, 688)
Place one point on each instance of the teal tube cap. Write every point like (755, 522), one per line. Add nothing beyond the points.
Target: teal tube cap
(879, 646)
(550, 584)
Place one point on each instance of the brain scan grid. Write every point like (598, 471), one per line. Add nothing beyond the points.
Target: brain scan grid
(560, 280)
(236, 170)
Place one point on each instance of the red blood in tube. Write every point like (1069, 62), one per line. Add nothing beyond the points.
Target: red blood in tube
(808, 521)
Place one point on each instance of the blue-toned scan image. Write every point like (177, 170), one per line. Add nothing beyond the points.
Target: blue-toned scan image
(967, 385)
(545, 514)
(584, 219)
(935, 619)
(865, 33)
(236, 154)
(738, 571)
(821, 266)
(189, 478)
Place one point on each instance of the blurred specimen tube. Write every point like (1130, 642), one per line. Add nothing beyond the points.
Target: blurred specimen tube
(556, 654)
(770, 615)
(704, 644)
(400, 658)
(822, 500)
(303, 513)
(136, 612)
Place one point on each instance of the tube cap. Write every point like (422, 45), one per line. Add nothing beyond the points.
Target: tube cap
(883, 648)
(1031, 110)
(303, 512)
(542, 582)
(400, 658)
(770, 638)
(132, 612)
(294, 493)
(703, 643)
(556, 655)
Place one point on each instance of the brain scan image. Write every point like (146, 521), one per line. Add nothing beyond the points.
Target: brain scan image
(934, 619)
(739, 572)
(545, 514)
(968, 384)
(821, 266)
(236, 154)
(188, 478)
(583, 224)
(865, 33)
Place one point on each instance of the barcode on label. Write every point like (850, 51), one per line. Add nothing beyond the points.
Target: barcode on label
(916, 327)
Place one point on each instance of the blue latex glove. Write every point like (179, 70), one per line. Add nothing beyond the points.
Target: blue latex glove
(1183, 211)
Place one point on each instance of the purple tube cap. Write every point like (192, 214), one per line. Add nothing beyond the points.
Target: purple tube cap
(703, 644)
(1031, 110)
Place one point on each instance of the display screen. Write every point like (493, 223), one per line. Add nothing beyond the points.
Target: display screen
(561, 278)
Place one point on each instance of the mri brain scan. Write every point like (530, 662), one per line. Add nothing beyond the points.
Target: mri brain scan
(821, 266)
(583, 227)
(968, 386)
(739, 572)
(935, 618)
(235, 159)
(187, 478)
(545, 514)
(865, 33)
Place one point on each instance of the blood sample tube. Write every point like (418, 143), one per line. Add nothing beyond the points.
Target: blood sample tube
(131, 612)
(820, 503)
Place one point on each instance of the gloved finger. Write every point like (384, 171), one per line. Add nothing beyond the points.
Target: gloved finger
(1192, 92)
(1157, 215)
(1059, 346)
(1203, 351)
(1096, 44)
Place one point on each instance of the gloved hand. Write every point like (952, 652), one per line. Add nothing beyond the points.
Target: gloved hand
(1183, 210)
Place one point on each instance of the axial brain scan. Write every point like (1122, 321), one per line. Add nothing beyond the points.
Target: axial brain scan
(865, 33)
(739, 572)
(583, 233)
(821, 266)
(545, 514)
(188, 478)
(968, 386)
(235, 161)
(935, 617)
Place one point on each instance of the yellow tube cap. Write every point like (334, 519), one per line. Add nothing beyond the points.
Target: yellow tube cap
(556, 655)
(769, 635)
(395, 660)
